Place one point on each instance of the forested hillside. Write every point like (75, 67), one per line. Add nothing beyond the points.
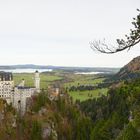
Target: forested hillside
(117, 115)
(112, 117)
(45, 120)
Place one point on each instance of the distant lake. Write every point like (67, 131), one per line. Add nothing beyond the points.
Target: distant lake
(25, 70)
(86, 73)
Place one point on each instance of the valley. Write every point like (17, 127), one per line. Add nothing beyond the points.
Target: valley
(69, 70)
(93, 105)
(68, 80)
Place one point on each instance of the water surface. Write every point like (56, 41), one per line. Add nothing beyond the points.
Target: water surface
(25, 70)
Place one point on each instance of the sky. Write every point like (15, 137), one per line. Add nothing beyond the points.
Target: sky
(58, 32)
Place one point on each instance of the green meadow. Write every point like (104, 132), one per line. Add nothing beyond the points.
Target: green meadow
(77, 80)
(85, 95)
(46, 79)
(67, 80)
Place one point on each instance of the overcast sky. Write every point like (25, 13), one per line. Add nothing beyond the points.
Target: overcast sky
(58, 32)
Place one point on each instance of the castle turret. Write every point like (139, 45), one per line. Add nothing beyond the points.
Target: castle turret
(37, 81)
(22, 83)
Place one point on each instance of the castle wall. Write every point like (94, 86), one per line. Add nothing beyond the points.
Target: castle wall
(6, 88)
(20, 97)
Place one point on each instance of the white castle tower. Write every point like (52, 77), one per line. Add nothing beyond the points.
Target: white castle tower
(22, 83)
(37, 81)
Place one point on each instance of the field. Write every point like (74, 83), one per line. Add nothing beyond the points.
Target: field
(84, 95)
(78, 80)
(67, 80)
(46, 79)
(84, 80)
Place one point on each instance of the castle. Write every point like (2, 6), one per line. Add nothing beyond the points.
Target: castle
(17, 95)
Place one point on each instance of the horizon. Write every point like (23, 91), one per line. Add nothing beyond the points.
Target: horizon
(56, 66)
(58, 33)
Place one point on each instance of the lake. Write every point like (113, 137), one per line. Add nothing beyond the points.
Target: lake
(25, 70)
(86, 73)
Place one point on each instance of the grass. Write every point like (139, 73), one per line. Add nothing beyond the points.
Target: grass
(84, 80)
(77, 80)
(85, 95)
(46, 79)
(70, 79)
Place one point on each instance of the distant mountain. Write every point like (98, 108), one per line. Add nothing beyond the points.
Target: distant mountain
(129, 71)
(26, 66)
(63, 68)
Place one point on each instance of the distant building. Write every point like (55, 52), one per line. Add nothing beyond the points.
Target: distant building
(17, 95)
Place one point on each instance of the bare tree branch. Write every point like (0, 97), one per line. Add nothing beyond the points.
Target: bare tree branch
(123, 44)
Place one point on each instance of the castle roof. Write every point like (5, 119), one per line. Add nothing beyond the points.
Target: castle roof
(6, 76)
(21, 87)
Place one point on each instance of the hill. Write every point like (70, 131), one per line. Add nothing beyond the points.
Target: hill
(129, 71)
(44, 119)
(117, 115)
